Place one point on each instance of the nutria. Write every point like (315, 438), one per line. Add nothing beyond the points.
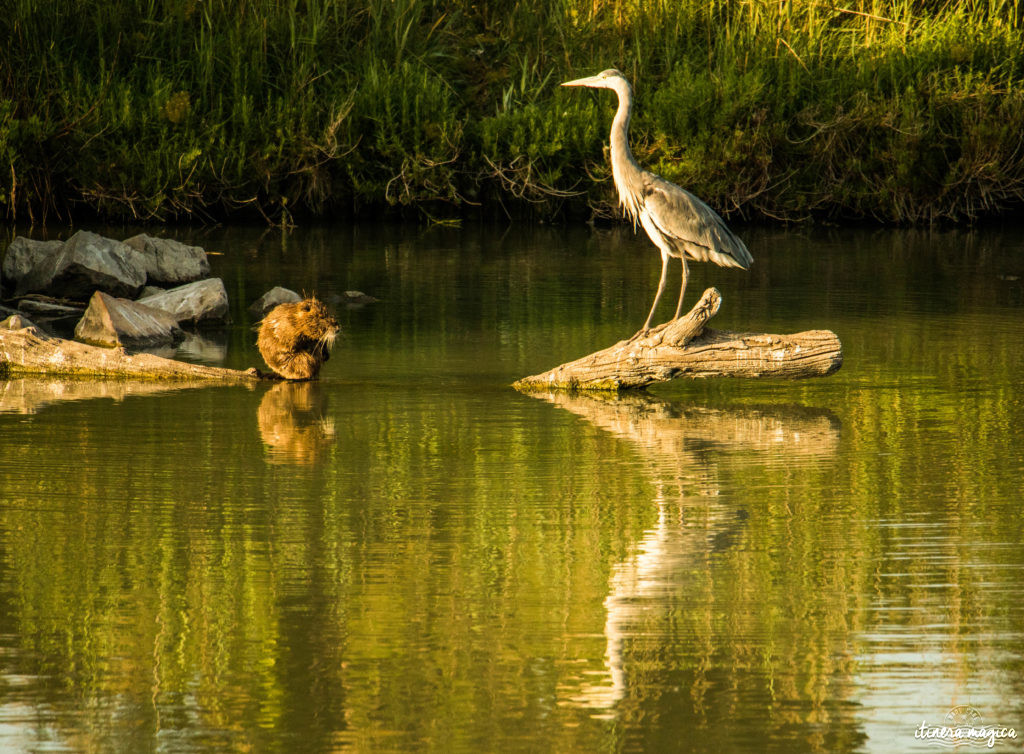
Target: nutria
(295, 339)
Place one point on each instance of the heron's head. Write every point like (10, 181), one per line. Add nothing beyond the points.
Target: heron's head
(610, 79)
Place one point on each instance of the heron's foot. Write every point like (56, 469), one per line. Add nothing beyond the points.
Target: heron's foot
(643, 332)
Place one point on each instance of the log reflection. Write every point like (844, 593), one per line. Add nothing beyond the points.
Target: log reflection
(28, 395)
(684, 449)
(293, 425)
(670, 434)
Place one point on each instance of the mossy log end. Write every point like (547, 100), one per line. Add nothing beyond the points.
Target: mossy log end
(30, 351)
(686, 348)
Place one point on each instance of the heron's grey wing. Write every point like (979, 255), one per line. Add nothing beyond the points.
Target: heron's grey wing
(692, 226)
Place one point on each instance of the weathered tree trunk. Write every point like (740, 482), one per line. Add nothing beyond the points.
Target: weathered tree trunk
(686, 348)
(30, 351)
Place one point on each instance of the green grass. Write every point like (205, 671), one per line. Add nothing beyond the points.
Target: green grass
(189, 109)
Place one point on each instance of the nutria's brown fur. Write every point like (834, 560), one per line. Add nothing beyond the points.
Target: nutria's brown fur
(295, 339)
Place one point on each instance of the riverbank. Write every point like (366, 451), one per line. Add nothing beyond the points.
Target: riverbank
(894, 112)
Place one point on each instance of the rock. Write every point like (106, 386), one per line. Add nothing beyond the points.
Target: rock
(170, 262)
(16, 322)
(75, 269)
(356, 299)
(111, 321)
(25, 262)
(6, 311)
(270, 299)
(149, 290)
(201, 301)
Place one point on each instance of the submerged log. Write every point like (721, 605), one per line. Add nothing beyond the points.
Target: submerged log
(686, 348)
(28, 350)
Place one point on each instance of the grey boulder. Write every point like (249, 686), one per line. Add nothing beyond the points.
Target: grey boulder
(170, 262)
(75, 268)
(270, 299)
(149, 290)
(25, 261)
(193, 303)
(111, 321)
(357, 299)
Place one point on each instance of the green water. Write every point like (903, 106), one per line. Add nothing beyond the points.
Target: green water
(410, 556)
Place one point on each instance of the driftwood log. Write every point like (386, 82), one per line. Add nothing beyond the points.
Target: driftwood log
(29, 350)
(687, 348)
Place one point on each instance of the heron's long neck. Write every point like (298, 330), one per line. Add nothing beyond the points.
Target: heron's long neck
(625, 171)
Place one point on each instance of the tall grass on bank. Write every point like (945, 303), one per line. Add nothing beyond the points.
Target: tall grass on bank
(899, 111)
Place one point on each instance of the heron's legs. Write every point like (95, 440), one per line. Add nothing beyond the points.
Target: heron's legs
(657, 297)
(682, 289)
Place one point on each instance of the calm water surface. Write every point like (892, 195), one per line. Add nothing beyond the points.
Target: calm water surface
(409, 555)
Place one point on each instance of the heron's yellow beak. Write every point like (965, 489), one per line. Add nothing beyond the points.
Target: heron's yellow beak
(588, 81)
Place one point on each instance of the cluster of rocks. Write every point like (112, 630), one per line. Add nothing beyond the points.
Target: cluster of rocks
(138, 293)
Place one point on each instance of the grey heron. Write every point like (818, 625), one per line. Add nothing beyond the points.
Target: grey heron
(679, 224)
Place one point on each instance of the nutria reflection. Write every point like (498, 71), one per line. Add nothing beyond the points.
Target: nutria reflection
(293, 425)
